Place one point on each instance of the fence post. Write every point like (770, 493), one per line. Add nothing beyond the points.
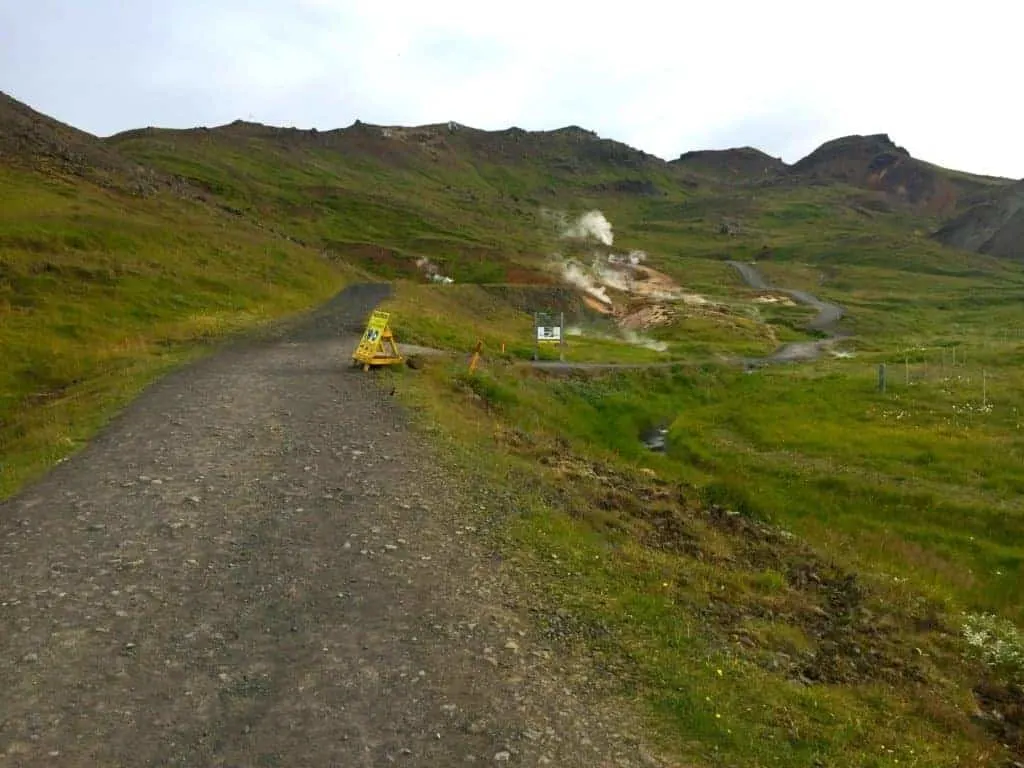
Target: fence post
(561, 337)
(536, 337)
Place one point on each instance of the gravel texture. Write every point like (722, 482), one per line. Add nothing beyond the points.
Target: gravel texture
(258, 563)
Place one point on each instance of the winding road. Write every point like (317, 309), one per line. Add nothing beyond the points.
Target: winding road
(825, 321)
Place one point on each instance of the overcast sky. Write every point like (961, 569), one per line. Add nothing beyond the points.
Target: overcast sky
(942, 79)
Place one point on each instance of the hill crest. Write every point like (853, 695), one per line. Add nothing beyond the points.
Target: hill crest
(877, 163)
(735, 163)
(522, 165)
(30, 138)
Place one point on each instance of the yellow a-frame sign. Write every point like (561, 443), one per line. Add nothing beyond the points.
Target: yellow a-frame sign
(378, 345)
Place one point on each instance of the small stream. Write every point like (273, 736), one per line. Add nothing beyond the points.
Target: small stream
(655, 439)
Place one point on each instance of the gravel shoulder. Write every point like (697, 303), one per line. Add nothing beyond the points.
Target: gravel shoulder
(260, 563)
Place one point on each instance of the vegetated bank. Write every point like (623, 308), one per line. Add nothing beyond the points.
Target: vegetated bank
(801, 575)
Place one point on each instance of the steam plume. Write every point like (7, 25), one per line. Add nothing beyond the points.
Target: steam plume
(430, 269)
(638, 340)
(628, 336)
(591, 224)
(633, 258)
(574, 274)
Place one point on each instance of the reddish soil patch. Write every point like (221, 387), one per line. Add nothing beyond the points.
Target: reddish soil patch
(526, 276)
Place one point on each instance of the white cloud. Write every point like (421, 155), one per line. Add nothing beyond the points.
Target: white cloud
(666, 77)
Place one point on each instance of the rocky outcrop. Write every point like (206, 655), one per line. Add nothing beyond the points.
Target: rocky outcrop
(992, 224)
(32, 140)
(877, 163)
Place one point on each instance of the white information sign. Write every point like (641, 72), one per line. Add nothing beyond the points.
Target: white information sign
(550, 334)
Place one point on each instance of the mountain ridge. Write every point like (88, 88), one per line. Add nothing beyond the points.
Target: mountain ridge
(469, 163)
(737, 161)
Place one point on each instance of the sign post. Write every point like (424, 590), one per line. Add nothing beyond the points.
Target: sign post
(549, 331)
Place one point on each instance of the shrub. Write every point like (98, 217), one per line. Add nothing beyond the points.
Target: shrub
(493, 392)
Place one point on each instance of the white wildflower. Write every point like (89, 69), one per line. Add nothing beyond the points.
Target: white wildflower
(996, 642)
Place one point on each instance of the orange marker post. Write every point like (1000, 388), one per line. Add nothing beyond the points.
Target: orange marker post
(476, 356)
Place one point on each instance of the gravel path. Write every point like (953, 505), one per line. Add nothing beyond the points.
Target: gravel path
(259, 564)
(825, 321)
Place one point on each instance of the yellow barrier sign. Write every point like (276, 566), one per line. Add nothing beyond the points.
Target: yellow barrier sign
(378, 345)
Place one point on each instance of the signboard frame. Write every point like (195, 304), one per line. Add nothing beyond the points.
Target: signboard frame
(377, 345)
(547, 331)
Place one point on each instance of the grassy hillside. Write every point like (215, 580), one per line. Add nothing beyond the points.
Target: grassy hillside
(794, 580)
(790, 582)
(100, 292)
(787, 584)
(469, 200)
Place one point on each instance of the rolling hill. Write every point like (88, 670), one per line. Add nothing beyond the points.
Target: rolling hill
(171, 230)
(787, 583)
(470, 197)
(875, 162)
(742, 164)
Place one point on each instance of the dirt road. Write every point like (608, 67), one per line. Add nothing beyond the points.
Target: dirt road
(828, 314)
(824, 322)
(260, 564)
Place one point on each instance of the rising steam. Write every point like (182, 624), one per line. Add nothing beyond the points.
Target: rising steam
(630, 337)
(639, 340)
(431, 270)
(633, 258)
(604, 271)
(595, 278)
(576, 274)
(591, 225)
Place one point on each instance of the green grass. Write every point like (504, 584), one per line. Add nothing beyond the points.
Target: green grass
(914, 493)
(101, 293)
(815, 452)
(716, 704)
(925, 488)
(903, 506)
(587, 534)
